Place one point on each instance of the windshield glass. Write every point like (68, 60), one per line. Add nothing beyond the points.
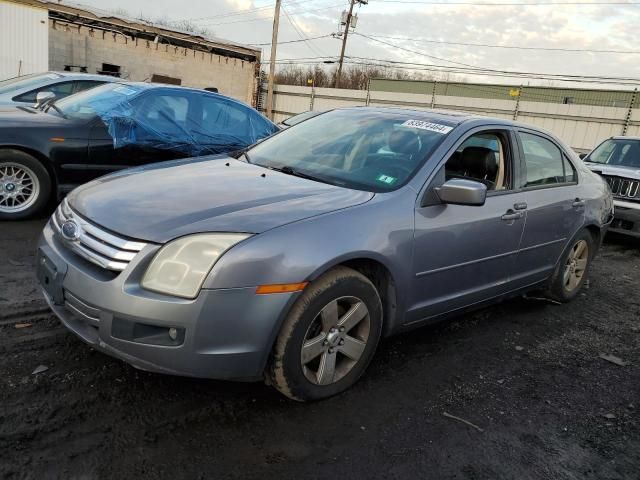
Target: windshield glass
(89, 103)
(368, 150)
(619, 152)
(301, 117)
(26, 81)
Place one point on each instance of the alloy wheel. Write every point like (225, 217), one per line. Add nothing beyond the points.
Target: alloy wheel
(335, 340)
(576, 265)
(19, 187)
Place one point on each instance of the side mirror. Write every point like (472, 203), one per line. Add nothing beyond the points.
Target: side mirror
(458, 191)
(44, 97)
(583, 156)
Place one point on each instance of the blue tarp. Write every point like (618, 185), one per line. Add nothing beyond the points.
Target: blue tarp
(190, 122)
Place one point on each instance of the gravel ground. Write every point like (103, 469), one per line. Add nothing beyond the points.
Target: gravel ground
(528, 374)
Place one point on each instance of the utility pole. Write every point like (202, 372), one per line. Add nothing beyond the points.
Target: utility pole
(272, 66)
(344, 42)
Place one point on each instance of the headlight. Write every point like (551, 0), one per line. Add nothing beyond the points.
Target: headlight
(181, 266)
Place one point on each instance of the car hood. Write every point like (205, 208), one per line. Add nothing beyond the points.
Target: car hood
(160, 202)
(617, 170)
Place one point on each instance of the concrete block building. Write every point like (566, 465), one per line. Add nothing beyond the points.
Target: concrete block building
(94, 41)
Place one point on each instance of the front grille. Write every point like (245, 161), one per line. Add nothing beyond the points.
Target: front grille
(93, 243)
(623, 187)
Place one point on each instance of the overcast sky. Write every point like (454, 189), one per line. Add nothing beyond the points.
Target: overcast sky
(578, 27)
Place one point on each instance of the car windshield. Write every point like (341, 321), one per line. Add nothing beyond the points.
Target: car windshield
(301, 117)
(368, 150)
(89, 103)
(26, 81)
(619, 152)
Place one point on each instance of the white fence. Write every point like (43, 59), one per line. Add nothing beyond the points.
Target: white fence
(581, 126)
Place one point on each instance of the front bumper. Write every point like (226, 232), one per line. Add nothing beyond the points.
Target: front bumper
(222, 334)
(627, 218)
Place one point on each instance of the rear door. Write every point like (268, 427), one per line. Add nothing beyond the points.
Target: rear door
(554, 209)
(464, 255)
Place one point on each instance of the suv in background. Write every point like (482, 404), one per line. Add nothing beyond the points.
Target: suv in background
(24, 90)
(617, 159)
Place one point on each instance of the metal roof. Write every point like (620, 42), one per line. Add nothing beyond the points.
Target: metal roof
(144, 29)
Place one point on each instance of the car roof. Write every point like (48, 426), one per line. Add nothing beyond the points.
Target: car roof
(625, 137)
(449, 116)
(85, 76)
(150, 86)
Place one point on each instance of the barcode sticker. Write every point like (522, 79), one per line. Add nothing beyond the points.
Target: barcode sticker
(432, 127)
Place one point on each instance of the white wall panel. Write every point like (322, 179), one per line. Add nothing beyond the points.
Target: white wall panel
(24, 39)
(580, 126)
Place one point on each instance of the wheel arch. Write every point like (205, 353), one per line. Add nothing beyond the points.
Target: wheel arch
(42, 158)
(380, 274)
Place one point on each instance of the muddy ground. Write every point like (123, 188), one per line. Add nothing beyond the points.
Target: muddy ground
(527, 373)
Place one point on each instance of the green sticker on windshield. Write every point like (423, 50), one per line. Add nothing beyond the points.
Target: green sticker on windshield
(389, 180)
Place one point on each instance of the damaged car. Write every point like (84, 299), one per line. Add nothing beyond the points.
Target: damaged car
(47, 152)
(617, 159)
(292, 261)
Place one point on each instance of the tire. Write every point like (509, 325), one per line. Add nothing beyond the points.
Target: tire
(336, 293)
(562, 290)
(25, 185)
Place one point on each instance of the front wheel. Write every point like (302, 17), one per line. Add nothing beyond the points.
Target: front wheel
(328, 338)
(573, 268)
(25, 185)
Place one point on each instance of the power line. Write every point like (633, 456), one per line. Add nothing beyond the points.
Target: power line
(366, 61)
(415, 51)
(300, 33)
(269, 18)
(292, 41)
(507, 4)
(514, 47)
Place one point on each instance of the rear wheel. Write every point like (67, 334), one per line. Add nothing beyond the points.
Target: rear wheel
(573, 268)
(328, 338)
(25, 185)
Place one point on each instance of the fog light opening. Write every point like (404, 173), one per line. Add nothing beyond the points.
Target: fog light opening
(173, 333)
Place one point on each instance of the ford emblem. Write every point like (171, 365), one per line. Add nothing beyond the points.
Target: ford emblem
(70, 230)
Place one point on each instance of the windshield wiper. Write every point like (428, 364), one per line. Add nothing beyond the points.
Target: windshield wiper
(296, 173)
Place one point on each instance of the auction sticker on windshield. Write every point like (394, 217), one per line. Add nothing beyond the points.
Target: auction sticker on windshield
(388, 179)
(432, 127)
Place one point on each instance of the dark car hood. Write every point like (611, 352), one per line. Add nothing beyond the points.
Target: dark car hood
(28, 117)
(614, 170)
(160, 202)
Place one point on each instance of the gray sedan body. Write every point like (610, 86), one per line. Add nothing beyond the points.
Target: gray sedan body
(23, 90)
(429, 259)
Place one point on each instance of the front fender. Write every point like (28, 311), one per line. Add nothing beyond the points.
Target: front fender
(380, 230)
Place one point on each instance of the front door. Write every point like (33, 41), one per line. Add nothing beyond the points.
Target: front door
(465, 254)
(555, 211)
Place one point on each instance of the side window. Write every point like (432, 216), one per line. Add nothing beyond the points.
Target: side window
(544, 161)
(483, 157)
(81, 85)
(570, 175)
(223, 117)
(162, 113)
(60, 90)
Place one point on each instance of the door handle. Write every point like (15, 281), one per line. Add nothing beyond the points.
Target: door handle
(520, 206)
(511, 215)
(578, 203)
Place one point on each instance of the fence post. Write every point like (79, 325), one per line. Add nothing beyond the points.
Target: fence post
(517, 107)
(433, 94)
(313, 95)
(627, 120)
(368, 99)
